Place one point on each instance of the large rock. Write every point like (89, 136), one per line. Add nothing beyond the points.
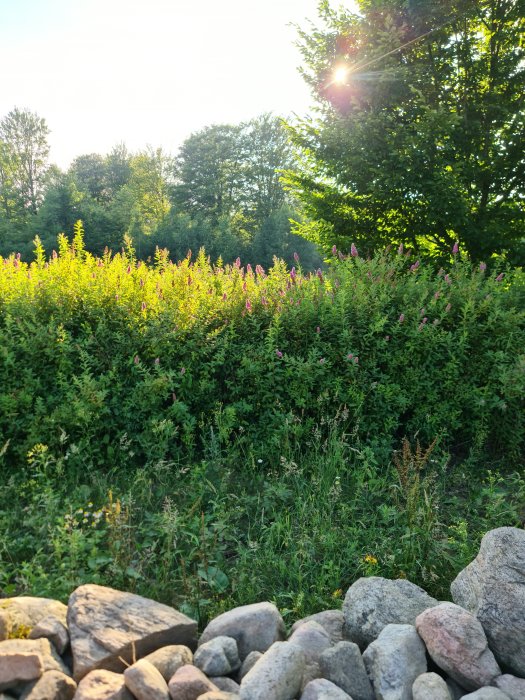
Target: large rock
(486, 694)
(227, 685)
(456, 642)
(313, 640)
(430, 686)
(19, 615)
(343, 665)
(331, 620)
(511, 685)
(188, 683)
(248, 663)
(52, 628)
(103, 685)
(492, 588)
(218, 657)
(394, 661)
(372, 603)
(51, 661)
(277, 674)
(53, 685)
(19, 667)
(169, 659)
(109, 627)
(145, 681)
(321, 689)
(254, 627)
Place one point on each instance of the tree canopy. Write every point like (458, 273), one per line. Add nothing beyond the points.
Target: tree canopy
(420, 128)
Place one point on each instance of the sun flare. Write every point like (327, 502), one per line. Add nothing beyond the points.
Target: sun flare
(340, 75)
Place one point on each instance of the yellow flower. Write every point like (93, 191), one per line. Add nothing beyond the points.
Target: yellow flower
(370, 559)
(337, 593)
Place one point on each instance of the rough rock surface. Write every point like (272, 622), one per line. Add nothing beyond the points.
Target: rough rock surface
(276, 675)
(331, 620)
(254, 627)
(225, 684)
(170, 658)
(394, 661)
(343, 665)
(145, 681)
(486, 694)
(511, 685)
(105, 624)
(322, 689)
(189, 683)
(492, 588)
(218, 657)
(457, 644)
(430, 686)
(313, 640)
(50, 659)
(373, 602)
(52, 628)
(249, 662)
(218, 695)
(22, 613)
(19, 667)
(103, 685)
(53, 685)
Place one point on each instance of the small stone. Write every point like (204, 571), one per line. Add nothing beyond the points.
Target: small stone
(456, 642)
(313, 640)
(51, 661)
(513, 686)
(53, 685)
(188, 683)
(249, 662)
(343, 665)
(218, 657)
(225, 684)
(145, 681)
(277, 675)
(330, 620)
(486, 693)
(254, 627)
(19, 667)
(53, 629)
(430, 686)
(218, 695)
(321, 689)
(394, 661)
(103, 685)
(373, 602)
(170, 658)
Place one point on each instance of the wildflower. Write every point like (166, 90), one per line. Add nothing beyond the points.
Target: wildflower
(422, 312)
(224, 296)
(264, 301)
(353, 251)
(249, 269)
(334, 250)
(278, 353)
(157, 361)
(322, 361)
(143, 306)
(500, 277)
(482, 266)
(293, 273)
(447, 279)
(370, 559)
(136, 359)
(244, 287)
(414, 267)
(141, 282)
(400, 249)
(349, 356)
(128, 270)
(356, 360)
(319, 274)
(401, 318)
(437, 295)
(296, 257)
(117, 297)
(183, 371)
(337, 593)
(448, 307)
(318, 329)
(237, 263)
(455, 248)
(248, 305)
(189, 280)
(260, 270)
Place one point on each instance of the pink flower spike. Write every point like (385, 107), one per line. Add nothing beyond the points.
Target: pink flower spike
(143, 306)
(322, 361)
(414, 267)
(500, 277)
(400, 249)
(437, 295)
(356, 360)
(296, 257)
(401, 318)
(482, 266)
(455, 248)
(183, 370)
(353, 251)
(136, 359)
(249, 269)
(224, 296)
(157, 361)
(237, 262)
(334, 250)
(448, 307)
(293, 273)
(248, 305)
(278, 353)
(318, 329)
(349, 356)
(447, 279)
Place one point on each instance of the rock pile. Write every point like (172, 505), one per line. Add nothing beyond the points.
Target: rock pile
(391, 641)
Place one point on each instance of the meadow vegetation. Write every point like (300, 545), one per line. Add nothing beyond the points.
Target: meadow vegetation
(212, 435)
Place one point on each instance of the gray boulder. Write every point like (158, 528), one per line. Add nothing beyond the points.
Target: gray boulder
(313, 640)
(53, 685)
(492, 588)
(511, 685)
(322, 689)
(343, 665)
(109, 627)
(218, 657)
(373, 602)
(248, 663)
(103, 685)
(456, 642)
(486, 694)
(145, 681)
(254, 627)
(227, 685)
(331, 621)
(394, 661)
(277, 674)
(430, 686)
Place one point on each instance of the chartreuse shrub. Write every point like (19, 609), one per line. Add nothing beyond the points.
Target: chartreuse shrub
(211, 435)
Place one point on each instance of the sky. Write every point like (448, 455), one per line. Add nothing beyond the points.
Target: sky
(150, 72)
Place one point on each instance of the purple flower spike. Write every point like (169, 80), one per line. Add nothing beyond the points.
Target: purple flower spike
(414, 267)
(224, 296)
(401, 249)
(248, 305)
(136, 359)
(482, 266)
(278, 353)
(353, 251)
(143, 306)
(455, 248)
(296, 257)
(500, 277)
(334, 250)
(293, 273)
(401, 318)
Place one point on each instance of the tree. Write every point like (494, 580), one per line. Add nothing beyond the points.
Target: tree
(24, 144)
(420, 131)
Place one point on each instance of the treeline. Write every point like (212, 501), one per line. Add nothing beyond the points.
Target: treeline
(222, 191)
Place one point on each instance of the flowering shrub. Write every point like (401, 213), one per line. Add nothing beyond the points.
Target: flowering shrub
(99, 349)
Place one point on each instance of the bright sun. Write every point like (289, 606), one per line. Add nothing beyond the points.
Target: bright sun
(340, 75)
